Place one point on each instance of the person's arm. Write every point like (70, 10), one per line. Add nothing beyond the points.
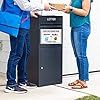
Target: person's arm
(85, 8)
(31, 6)
(81, 12)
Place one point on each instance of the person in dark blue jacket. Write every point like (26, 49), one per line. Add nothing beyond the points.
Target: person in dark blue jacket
(20, 46)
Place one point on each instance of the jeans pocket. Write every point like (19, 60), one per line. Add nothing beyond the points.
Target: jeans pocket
(85, 30)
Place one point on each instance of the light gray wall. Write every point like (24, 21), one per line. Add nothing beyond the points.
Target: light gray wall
(1, 1)
(4, 51)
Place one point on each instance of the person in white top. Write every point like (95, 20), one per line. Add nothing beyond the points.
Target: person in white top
(20, 46)
(33, 6)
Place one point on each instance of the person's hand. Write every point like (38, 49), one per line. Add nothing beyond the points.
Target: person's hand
(34, 14)
(48, 7)
(66, 9)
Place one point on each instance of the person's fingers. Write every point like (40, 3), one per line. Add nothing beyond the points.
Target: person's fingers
(64, 11)
(53, 8)
(34, 15)
(37, 14)
(64, 8)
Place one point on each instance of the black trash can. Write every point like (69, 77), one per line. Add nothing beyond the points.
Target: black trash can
(45, 60)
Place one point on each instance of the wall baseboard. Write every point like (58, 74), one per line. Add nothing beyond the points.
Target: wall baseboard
(77, 73)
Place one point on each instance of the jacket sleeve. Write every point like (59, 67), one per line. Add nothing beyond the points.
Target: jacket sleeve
(31, 5)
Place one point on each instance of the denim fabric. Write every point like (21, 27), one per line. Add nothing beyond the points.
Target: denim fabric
(20, 49)
(79, 36)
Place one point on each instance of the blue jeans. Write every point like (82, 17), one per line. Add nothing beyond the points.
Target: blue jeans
(79, 36)
(20, 49)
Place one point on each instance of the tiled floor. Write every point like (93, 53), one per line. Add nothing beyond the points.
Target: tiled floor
(54, 92)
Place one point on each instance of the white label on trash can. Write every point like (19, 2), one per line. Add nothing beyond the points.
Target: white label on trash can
(50, 36)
